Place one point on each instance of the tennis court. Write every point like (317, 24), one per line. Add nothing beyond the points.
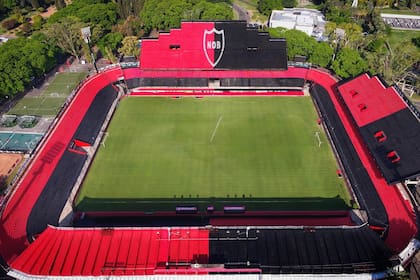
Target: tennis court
(19, 142)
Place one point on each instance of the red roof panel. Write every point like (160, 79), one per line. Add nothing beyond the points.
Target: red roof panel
(369, 100)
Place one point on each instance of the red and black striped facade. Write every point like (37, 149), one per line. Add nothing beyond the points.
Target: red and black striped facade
(214, 45)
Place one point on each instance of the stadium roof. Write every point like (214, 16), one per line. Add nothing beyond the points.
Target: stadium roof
(370, 92)
(389, 127)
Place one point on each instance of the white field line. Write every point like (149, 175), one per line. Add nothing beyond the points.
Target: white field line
(104, 139)
(215, 128)
(318, 138)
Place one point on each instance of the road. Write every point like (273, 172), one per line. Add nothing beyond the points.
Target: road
(242, 12)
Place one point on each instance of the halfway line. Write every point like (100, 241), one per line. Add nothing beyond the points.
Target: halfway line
(215, 129)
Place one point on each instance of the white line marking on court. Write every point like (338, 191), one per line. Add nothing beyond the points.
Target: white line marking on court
(215, 129)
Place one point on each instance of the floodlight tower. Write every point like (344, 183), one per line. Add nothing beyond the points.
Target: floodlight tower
(86, 34)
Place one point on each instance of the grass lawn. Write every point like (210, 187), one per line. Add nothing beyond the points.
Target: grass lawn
(51, 100)
(415, 97)
(252, 7)
(258, 151)
(398, 12)
(402, 36)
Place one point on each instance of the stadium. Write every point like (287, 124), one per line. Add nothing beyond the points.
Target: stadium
(213, 156)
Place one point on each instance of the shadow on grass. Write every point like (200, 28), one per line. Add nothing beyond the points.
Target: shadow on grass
(88, 204)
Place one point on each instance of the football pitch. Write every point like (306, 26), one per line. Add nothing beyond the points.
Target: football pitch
(261, 152)
(49, 102)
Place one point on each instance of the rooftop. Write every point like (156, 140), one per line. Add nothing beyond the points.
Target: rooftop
(310, 21)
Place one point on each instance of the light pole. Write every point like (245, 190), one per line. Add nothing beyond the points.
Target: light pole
(86, 36)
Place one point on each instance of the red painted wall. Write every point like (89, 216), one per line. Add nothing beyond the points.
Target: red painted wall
(190, 55)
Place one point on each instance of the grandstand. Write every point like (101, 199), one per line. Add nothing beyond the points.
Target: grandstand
(391, 131)
(404, 22)
(34, 243)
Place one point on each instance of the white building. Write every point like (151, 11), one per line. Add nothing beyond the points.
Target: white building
(310, 21)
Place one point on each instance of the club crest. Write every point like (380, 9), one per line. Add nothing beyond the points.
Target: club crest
(214, 43)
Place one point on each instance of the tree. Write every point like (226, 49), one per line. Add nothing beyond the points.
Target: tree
(132, 26)
(130, 46)
(289, 3)
(353, 35)
(402, 57)
(14, 71)
(34, 4)
(9, 4)
(66, 35)
(37, 22)
(210, 11)
(40, 55)
(321, 54)
(18, 16)
(348, 63)
(337, 12)
(99, 14)
(59, 4)
(266, 6)
(86, 53)
(109, 54)
(375, 45)
(164, 14)
(26, 28)
(89, 12)
(298, 43)
(23, 60)
(344, 35)
(301, 44)
(416, 41)
(110, 41)
(128, 8)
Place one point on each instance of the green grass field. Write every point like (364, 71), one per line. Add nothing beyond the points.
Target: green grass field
(50, 100)
(402, 36)
(261, 152)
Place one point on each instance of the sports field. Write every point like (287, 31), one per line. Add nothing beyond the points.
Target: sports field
(261, 152)
(49, 102)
